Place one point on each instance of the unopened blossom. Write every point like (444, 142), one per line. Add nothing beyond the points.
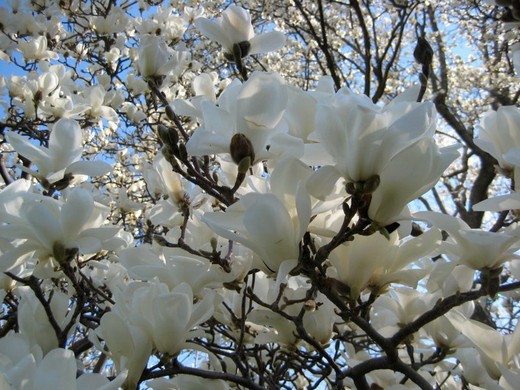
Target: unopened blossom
(62, 157)
(234, 31)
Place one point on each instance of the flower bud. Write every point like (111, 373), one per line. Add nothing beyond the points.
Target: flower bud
(168, 135)
(240, 148)
(423, 52)
(170, 113)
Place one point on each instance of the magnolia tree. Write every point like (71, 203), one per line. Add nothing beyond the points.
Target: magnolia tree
(260, 195)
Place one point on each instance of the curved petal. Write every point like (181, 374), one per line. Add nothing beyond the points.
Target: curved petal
(270, 41)
(65, 143)
(213, 31)
(57, 370)
(89, 168)
(76, 212)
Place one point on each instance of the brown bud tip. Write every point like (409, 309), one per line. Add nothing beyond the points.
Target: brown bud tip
(240, 148)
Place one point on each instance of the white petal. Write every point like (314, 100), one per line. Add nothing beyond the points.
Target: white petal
(499, 203)
(89, 168)
(270, 41)
(37, 154)
(76, 212)
(213, 31)
(57, 370)
(65, 143)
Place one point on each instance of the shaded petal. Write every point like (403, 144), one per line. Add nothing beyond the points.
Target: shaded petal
(57, 370)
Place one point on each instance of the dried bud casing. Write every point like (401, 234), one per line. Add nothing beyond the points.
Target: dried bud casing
(423, 52)
(240, 148)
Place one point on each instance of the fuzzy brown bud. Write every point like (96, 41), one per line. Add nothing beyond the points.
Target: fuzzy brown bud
(240, 148)
(423, 52)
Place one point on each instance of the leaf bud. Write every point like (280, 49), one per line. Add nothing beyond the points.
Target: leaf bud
(240, 148)
(167, 152)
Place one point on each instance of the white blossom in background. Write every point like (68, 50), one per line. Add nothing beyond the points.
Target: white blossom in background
(155, 59)
(477, 249)
(49, 230)
(36, 49)
(373, 262)
(61, 158)
(234, 28)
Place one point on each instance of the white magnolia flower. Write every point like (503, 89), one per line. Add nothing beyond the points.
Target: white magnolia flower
(129, 345)
(499, 131)
(62, 157)
(500, 203)
(407, 176)
(375, 261)
(26, 368)
(254, 109)
(187, 382)
(475, 248)
(167, 317)
(363, 138)
(155, 58)
(234, 28)
(34, 323)
(495, 348)
(36, 49)
(175, 267)
(270, 224)
(48, 228)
